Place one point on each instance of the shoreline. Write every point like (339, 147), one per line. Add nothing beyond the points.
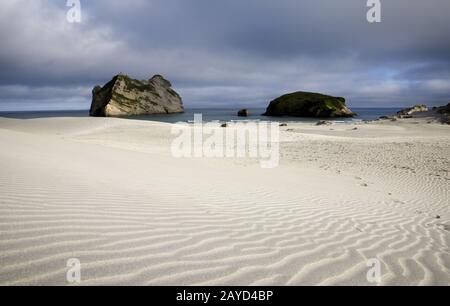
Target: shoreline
(431, 116)
(224, 114)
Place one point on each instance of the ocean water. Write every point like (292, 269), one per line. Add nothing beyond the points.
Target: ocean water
(208, 115)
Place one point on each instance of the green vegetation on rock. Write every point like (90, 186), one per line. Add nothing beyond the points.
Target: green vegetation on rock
(307, 104)
(124, 96)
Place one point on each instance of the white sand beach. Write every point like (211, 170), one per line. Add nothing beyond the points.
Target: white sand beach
(109, 193)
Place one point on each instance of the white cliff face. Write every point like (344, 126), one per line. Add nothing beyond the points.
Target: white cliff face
(124, 96)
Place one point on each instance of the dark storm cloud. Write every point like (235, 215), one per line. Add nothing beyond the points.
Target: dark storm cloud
(235, 52)
(286, 28)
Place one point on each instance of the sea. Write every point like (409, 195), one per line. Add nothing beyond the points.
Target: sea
(208, 114)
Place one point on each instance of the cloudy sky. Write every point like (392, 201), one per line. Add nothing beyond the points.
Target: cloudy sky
(221, 53)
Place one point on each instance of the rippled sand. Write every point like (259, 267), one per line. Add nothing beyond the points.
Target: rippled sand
(108, 192)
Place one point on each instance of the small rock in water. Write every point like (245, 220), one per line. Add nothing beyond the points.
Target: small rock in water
(224, 125)
(323, 122)
(283, 124)
(387, 117)
(243, 113)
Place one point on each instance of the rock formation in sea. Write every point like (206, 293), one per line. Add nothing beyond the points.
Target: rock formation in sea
(445, 110)
(243, 113)
(413, 110)
(124, 96)
(323, 122)
(306, 104)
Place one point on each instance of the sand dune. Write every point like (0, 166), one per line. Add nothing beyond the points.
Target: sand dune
(108, 192)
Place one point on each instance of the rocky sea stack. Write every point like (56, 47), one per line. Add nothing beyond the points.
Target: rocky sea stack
(421, 108)
(444, 110)
(306, 104)
(243, 113)
(124, 96)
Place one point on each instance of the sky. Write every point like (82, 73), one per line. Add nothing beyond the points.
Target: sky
(233, 53)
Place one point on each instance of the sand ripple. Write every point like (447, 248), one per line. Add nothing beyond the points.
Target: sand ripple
(157, 221)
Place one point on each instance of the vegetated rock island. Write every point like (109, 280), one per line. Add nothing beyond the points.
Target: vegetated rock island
(307, 104)
(124, 96)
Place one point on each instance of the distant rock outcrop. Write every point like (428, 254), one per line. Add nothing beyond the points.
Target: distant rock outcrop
(323, 122)
(445, 110)
(412, 110)
(123, 96)
(243, 113)
(388, 118)
(306, 104)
